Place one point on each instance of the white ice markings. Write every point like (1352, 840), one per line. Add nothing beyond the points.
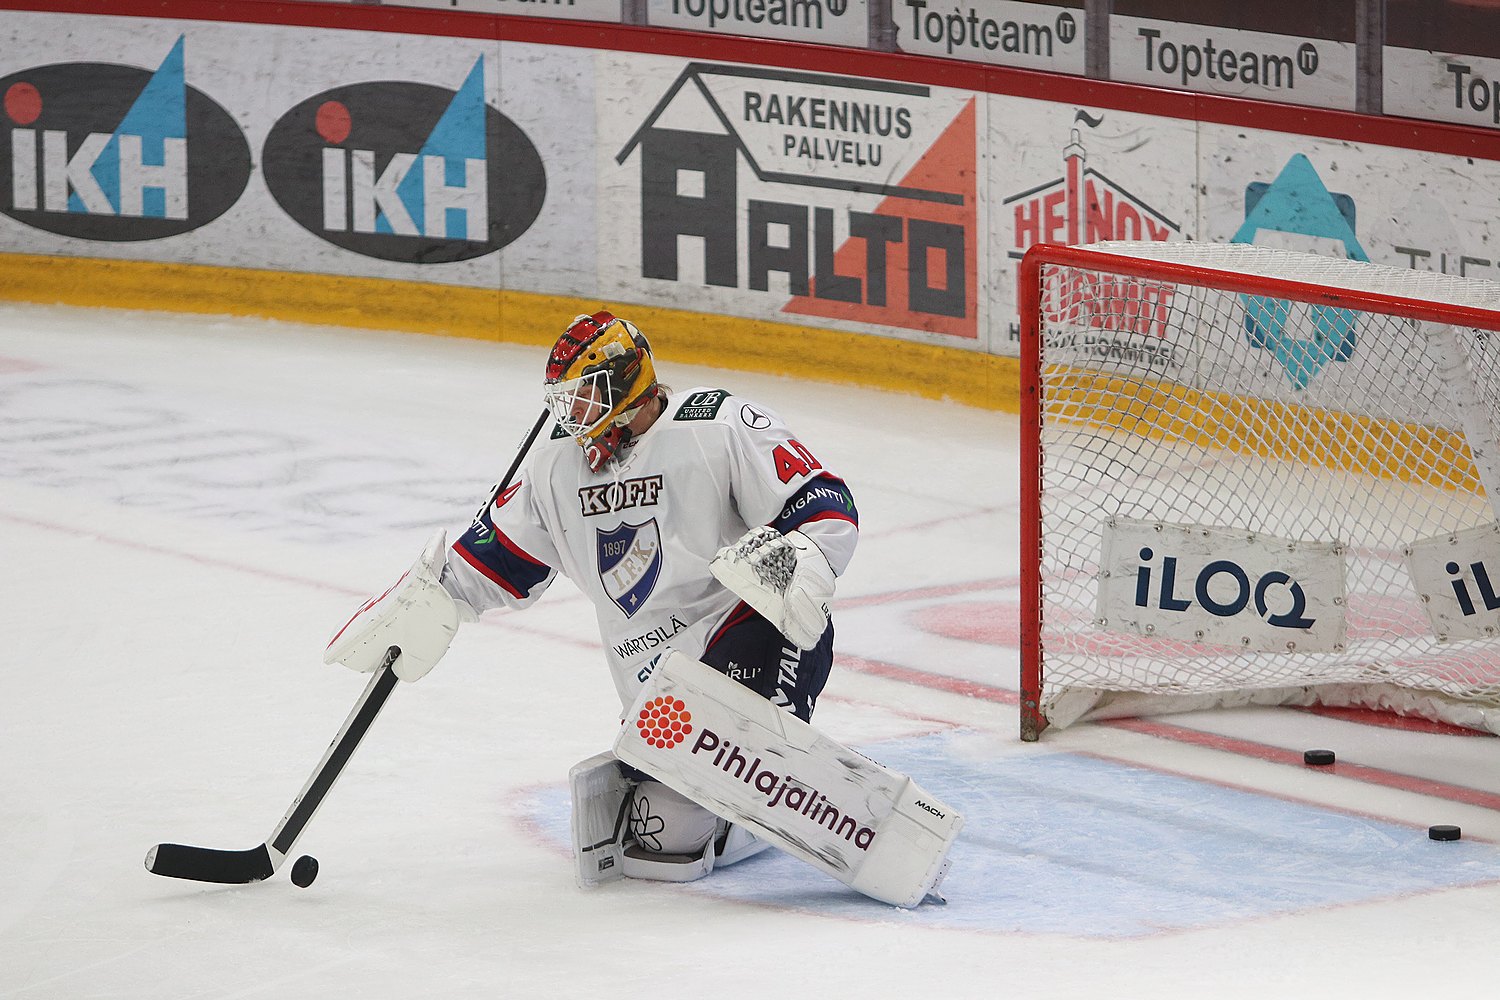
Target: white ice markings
(136, 448)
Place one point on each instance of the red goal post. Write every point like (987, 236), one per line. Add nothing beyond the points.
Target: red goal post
(1256, 476)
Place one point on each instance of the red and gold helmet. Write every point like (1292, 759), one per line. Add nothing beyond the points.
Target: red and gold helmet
(598, 374)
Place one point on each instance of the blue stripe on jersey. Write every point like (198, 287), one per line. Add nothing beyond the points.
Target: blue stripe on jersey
(498, 558)
(822, 498)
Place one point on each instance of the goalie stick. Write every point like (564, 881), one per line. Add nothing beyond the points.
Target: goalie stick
(209, 864)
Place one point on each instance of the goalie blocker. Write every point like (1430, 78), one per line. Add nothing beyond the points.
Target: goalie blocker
(741, 757)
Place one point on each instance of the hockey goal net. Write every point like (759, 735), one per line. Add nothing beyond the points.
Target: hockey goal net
(1256, 476)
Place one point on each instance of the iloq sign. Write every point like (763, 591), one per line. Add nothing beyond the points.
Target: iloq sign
(1457, 576)
(1221, 587)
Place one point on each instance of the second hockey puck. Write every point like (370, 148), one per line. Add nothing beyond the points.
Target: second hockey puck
(1443, 831)
(304, 871)
(1317, 758)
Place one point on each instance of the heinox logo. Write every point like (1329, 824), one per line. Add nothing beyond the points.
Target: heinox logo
(101, 151)
(1083, 205)
(406, 171)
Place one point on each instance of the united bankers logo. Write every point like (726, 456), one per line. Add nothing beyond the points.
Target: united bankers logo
(406, 171)
(630, 563)
(1083, 205)
(105, 152)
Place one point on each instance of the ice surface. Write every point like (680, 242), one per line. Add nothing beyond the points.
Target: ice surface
(190, 506)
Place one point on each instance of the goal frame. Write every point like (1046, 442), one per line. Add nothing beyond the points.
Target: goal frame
(1029, 303)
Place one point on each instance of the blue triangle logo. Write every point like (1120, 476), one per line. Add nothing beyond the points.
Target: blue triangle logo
(458, 136)
(1298, 202)
(158, 113)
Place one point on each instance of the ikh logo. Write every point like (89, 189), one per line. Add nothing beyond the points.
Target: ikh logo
(100, 151)
(630, 563)
(406, 171)
(1221, 599)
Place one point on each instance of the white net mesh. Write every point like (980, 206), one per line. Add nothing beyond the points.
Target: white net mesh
(1170, 401)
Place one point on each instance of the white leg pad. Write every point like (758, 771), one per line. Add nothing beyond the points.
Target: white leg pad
(736, 754)
(603, 849)
(642, 864)
(601, 798)
(662, 821)
(737, 844)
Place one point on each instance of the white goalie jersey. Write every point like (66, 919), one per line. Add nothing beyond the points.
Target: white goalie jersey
(637, 536)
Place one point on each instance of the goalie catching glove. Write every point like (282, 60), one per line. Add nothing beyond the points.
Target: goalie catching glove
(784, 577)
(416, 614)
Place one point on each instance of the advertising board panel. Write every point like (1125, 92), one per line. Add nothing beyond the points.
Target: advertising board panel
(1044, 36)
(1081, 175)
(573, 10)
(825, 22)
(817, 199)
(375, 154)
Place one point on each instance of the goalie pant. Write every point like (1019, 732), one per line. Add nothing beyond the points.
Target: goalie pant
(747, 648)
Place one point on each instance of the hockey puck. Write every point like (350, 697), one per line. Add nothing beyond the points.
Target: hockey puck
(304, 871)
(1317, 758)
(1443, 832)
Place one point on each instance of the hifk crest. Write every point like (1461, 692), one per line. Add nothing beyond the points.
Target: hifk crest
(630, 563)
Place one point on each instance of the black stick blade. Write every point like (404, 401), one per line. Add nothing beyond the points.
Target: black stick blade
(205, 864)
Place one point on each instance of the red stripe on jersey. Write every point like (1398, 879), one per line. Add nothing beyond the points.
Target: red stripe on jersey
(828, 515)
(490, 574)
(517, 551)
(740, 613)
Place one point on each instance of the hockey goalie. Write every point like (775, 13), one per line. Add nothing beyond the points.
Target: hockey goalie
(709, 539)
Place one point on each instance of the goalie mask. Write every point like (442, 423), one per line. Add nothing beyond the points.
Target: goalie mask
(598, 376)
